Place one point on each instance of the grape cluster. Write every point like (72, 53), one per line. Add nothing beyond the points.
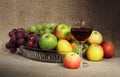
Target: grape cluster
(18, 37)
(33, 41)
(41, 28)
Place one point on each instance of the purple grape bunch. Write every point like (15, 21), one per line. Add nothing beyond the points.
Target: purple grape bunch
(33, 41)
(20, 37)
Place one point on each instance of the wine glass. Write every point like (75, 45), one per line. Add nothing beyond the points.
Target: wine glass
(81, 30)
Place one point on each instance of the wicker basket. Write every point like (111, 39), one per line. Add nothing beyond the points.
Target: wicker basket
(41, 55)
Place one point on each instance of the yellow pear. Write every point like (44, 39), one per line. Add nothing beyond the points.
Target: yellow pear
(64, 47)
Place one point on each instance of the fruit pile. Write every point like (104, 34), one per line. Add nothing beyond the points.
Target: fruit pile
(51, 36)
(99, 48)
(28, 37)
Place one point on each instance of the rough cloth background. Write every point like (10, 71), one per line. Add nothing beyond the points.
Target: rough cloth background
(102, 14)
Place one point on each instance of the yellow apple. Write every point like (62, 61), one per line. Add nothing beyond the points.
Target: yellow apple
(95, 37)
(95, 52)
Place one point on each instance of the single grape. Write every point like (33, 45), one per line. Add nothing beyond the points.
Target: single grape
(7, 45)
(30, 43)
(11, 34)
(17, 45)
(32, 38)
(46, 26)
(13, 50)
(48, 30)
(19, 34)
(41, 32)
(32, 29)
(20, 30)
(20, 41)
(37, 37)
(13, 39)
(39, 27)
(25, 35)
(35, 45)
(14, 30)
(11, 44)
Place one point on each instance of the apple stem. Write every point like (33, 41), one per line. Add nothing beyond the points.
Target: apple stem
(47, 36)
(95, 32)
(72, 54)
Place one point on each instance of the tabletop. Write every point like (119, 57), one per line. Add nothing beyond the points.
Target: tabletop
(15, 65)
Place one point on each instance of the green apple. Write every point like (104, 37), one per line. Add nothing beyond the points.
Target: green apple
(62, 31)
(95, 52)
(48, 41)
(95, 37)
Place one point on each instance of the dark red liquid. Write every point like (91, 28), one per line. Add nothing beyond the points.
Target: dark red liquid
(81, 34)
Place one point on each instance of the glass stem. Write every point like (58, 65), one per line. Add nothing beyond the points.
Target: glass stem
(84, 64)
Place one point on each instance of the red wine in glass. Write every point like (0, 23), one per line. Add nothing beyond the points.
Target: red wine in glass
(81, 34)
(81, 31)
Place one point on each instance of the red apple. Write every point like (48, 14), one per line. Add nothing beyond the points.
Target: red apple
(108, 48)
(72, 60)
(63, 31)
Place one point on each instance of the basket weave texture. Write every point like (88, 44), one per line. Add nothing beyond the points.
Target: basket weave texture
(41, 55)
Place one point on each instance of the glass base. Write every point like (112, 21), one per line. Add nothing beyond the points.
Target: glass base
(84, 63)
